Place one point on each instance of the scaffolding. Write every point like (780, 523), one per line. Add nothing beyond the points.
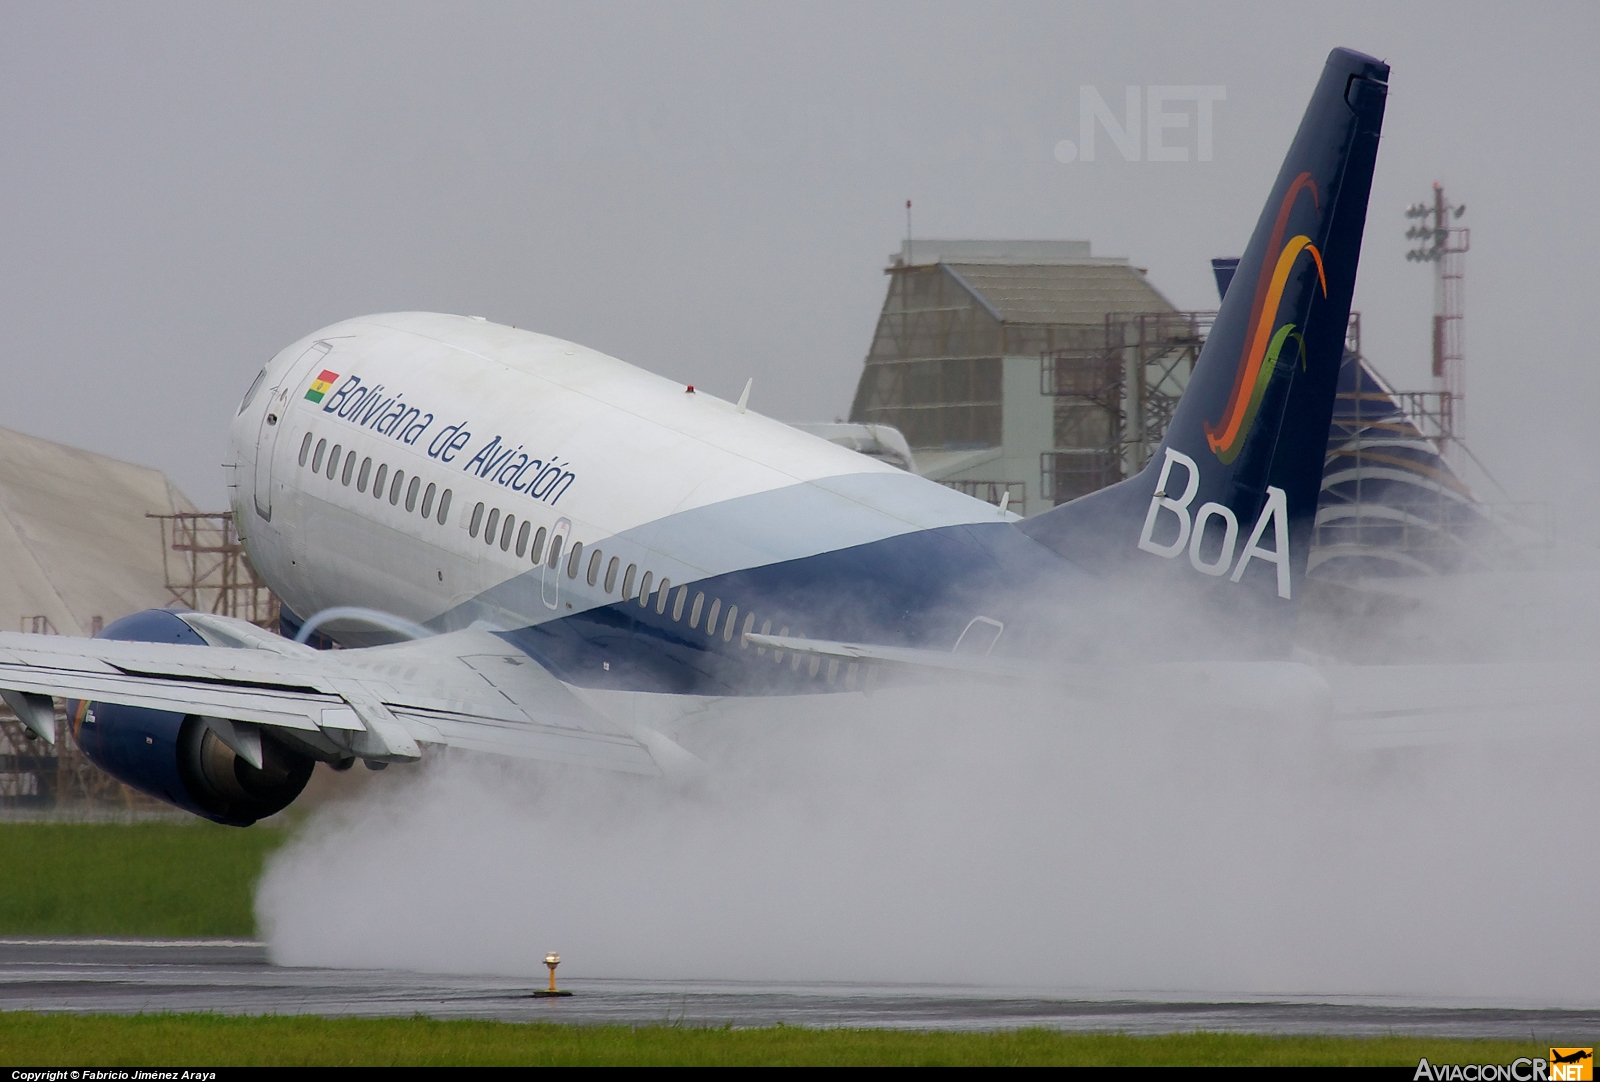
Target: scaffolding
(1390, 504)
(1115, 399)
(208, 570)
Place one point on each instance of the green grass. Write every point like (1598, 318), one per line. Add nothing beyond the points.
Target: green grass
(207, 1040)
(145, 879)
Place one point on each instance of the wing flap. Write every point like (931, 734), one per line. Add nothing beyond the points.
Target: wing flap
(291, 711)
(530, 740)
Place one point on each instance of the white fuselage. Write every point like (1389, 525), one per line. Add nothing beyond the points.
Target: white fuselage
(492, 443)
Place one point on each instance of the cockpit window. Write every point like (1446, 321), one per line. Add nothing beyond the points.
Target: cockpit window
(250, 395)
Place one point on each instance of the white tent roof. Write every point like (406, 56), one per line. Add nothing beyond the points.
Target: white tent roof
(74, 539)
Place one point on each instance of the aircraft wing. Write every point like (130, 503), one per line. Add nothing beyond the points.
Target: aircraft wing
(1360, 707)
(468, 689)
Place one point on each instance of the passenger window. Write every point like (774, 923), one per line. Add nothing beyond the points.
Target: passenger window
(594, 567)
(444, 506)
(538, 546)
(394, 486)
(316, 458)
(611, 574)
(505, 533)
(411, 493)
(555, 552)
(366, 472)
(427, 500)
(333, 460)
(572, 560)
(677, 605)
(477, 520)
(749, 622)
(727, 625)
(377, 482)
(644, 590)
(349, 468)
(694, 612)
(711, 617)
(627, 582)
(522, 540)
(491, 526)
(305, 448)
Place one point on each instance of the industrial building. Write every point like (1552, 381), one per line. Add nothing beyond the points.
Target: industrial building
(955, 363)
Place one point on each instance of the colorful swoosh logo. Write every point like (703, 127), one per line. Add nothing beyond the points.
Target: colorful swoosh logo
(1263, 345)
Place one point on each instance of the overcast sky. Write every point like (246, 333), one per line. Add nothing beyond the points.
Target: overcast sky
(710, 191)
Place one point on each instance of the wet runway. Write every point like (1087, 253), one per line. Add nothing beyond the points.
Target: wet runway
(124, 976)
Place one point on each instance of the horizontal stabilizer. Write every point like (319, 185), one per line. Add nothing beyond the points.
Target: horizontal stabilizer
(1261, 686)
(1357, 707)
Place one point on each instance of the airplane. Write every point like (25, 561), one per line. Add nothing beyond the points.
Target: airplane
(527, 548)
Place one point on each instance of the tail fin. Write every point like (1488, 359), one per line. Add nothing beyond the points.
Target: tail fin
(1232, 492)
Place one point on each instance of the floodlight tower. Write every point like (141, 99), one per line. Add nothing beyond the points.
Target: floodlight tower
(1444, 245)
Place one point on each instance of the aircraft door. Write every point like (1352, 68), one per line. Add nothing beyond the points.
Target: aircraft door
(274, 418)
(550, 570)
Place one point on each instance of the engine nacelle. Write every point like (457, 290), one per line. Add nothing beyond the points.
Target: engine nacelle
(179, 758)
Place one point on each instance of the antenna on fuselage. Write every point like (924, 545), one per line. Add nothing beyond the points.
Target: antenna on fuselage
(744, 399)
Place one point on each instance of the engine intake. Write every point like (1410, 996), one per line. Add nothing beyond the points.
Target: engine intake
(179, 758)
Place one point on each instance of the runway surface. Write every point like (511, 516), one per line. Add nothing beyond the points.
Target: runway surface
(125, 976)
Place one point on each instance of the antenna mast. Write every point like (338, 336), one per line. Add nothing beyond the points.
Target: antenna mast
(1444, 245)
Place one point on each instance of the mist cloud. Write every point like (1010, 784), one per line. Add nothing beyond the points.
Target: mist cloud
(970, 835)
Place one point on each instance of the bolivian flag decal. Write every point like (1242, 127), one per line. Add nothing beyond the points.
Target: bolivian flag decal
(321, 385)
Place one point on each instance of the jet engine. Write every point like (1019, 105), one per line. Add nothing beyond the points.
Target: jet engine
(184, 759)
